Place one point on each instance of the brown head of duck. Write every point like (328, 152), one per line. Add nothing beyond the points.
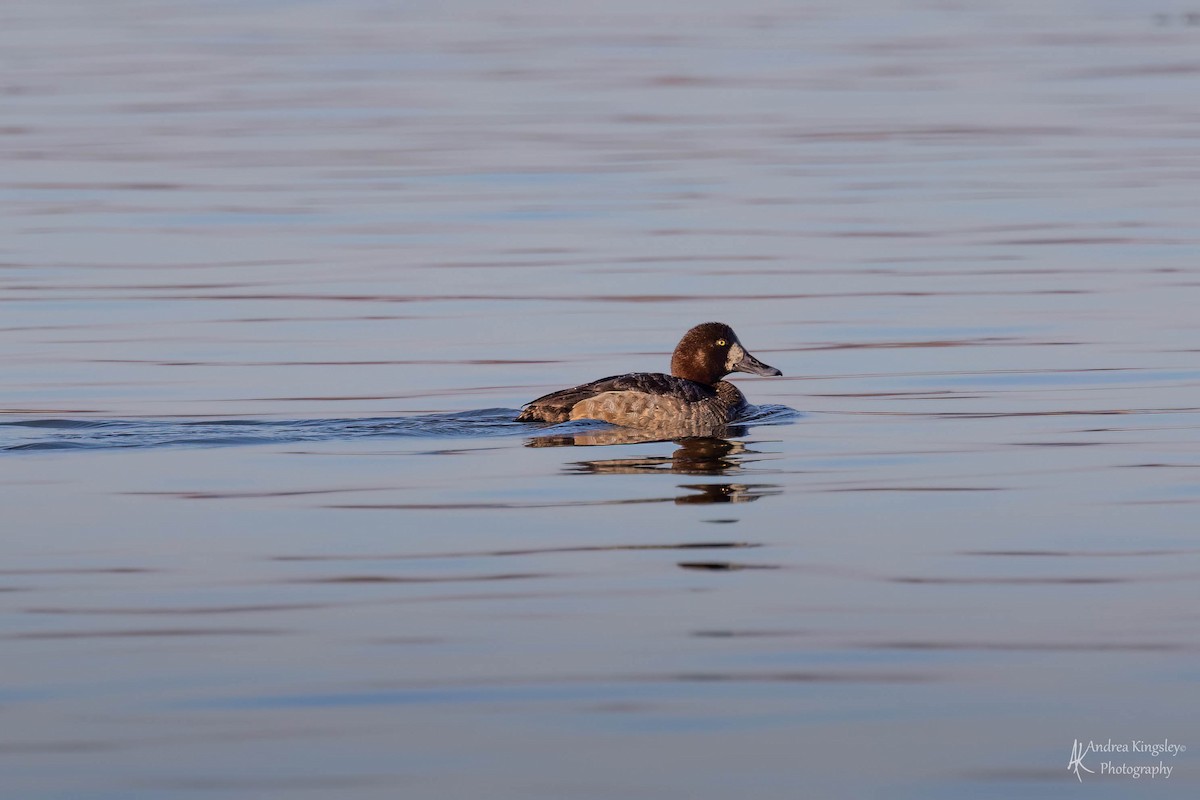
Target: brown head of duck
(709, 352)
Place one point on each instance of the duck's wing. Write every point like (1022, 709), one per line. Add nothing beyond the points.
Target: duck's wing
(556, 406)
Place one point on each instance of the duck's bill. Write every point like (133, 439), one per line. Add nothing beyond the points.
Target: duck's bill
(748, 363)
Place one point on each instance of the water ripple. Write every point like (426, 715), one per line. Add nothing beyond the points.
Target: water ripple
(75, 434)
(92, 434)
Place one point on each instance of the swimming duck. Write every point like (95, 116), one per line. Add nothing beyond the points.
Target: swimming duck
(694, 394)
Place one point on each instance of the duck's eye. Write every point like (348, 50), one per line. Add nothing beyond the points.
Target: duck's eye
(721, 342)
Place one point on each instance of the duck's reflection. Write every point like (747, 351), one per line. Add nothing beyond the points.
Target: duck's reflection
(693, 456)
(711, 454)
(603, 437)
(725, 493)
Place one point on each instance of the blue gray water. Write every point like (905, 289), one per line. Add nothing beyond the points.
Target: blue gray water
(276, 275)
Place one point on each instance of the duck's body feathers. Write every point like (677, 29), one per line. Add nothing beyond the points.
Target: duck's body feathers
(647, 398)
(695, 394)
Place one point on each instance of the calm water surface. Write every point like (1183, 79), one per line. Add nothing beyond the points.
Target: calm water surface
(274, 277)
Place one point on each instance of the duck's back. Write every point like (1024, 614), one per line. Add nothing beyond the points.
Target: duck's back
(640, 399)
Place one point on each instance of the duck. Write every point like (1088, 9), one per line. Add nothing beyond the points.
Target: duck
(695, 394)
